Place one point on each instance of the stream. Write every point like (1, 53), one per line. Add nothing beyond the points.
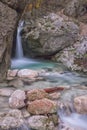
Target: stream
(55, 74)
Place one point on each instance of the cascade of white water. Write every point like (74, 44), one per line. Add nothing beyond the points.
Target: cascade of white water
(19, 49)
(20, 59)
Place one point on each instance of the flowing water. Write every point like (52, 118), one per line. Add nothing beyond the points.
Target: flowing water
(19, 50)
(73, 120)
(57, 75)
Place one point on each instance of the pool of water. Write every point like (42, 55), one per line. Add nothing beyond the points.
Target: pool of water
(31, 64)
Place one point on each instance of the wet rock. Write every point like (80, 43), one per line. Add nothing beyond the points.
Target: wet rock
(17, 83)
(49, 35)
(12, 73)
(13, 119)
(17, 99)
(6, 92)
(26, 73)
(40, 123)
(42, 106)
(80, 104)
(36, 94)
(3, 84)
(25, 113)
(55, 96)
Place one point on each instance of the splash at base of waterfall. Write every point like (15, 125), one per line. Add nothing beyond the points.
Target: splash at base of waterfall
(22, 62)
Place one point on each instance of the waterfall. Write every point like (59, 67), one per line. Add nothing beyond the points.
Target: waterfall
(20, 60)
(19, 49)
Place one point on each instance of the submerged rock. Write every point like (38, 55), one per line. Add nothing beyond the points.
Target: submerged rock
(80, 104)
(42, 106)
(13, 119)
(17, 99)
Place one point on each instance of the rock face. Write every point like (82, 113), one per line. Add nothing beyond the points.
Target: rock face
(80, 104)
(17, 99)
(8, 20)
(48, 35)
(75, 57)
(42, 106)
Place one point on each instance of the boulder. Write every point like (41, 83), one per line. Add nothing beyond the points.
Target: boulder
(80, 104)
(48, 35)
(27, 73)
(36, 94)
(12, 73)
(8, 20)
(6, 92)
(42, 106)
(17, 99)
(40, 123)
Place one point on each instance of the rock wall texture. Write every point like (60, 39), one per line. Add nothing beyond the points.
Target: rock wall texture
(8, 19)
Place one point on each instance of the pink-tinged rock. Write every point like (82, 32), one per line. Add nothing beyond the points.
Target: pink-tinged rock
(36, 94)
(80, 104)
(43, 106)
(55, 95)
(6, 92)
(17, 99)
(12, 73)
(26, 73)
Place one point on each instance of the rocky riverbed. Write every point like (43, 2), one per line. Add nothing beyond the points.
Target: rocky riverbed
(23, 106)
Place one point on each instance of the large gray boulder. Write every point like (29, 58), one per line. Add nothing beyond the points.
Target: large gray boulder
(75, 57)
(8, 20)
(48, 35)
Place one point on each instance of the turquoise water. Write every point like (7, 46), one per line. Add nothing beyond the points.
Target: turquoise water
(26, 63)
